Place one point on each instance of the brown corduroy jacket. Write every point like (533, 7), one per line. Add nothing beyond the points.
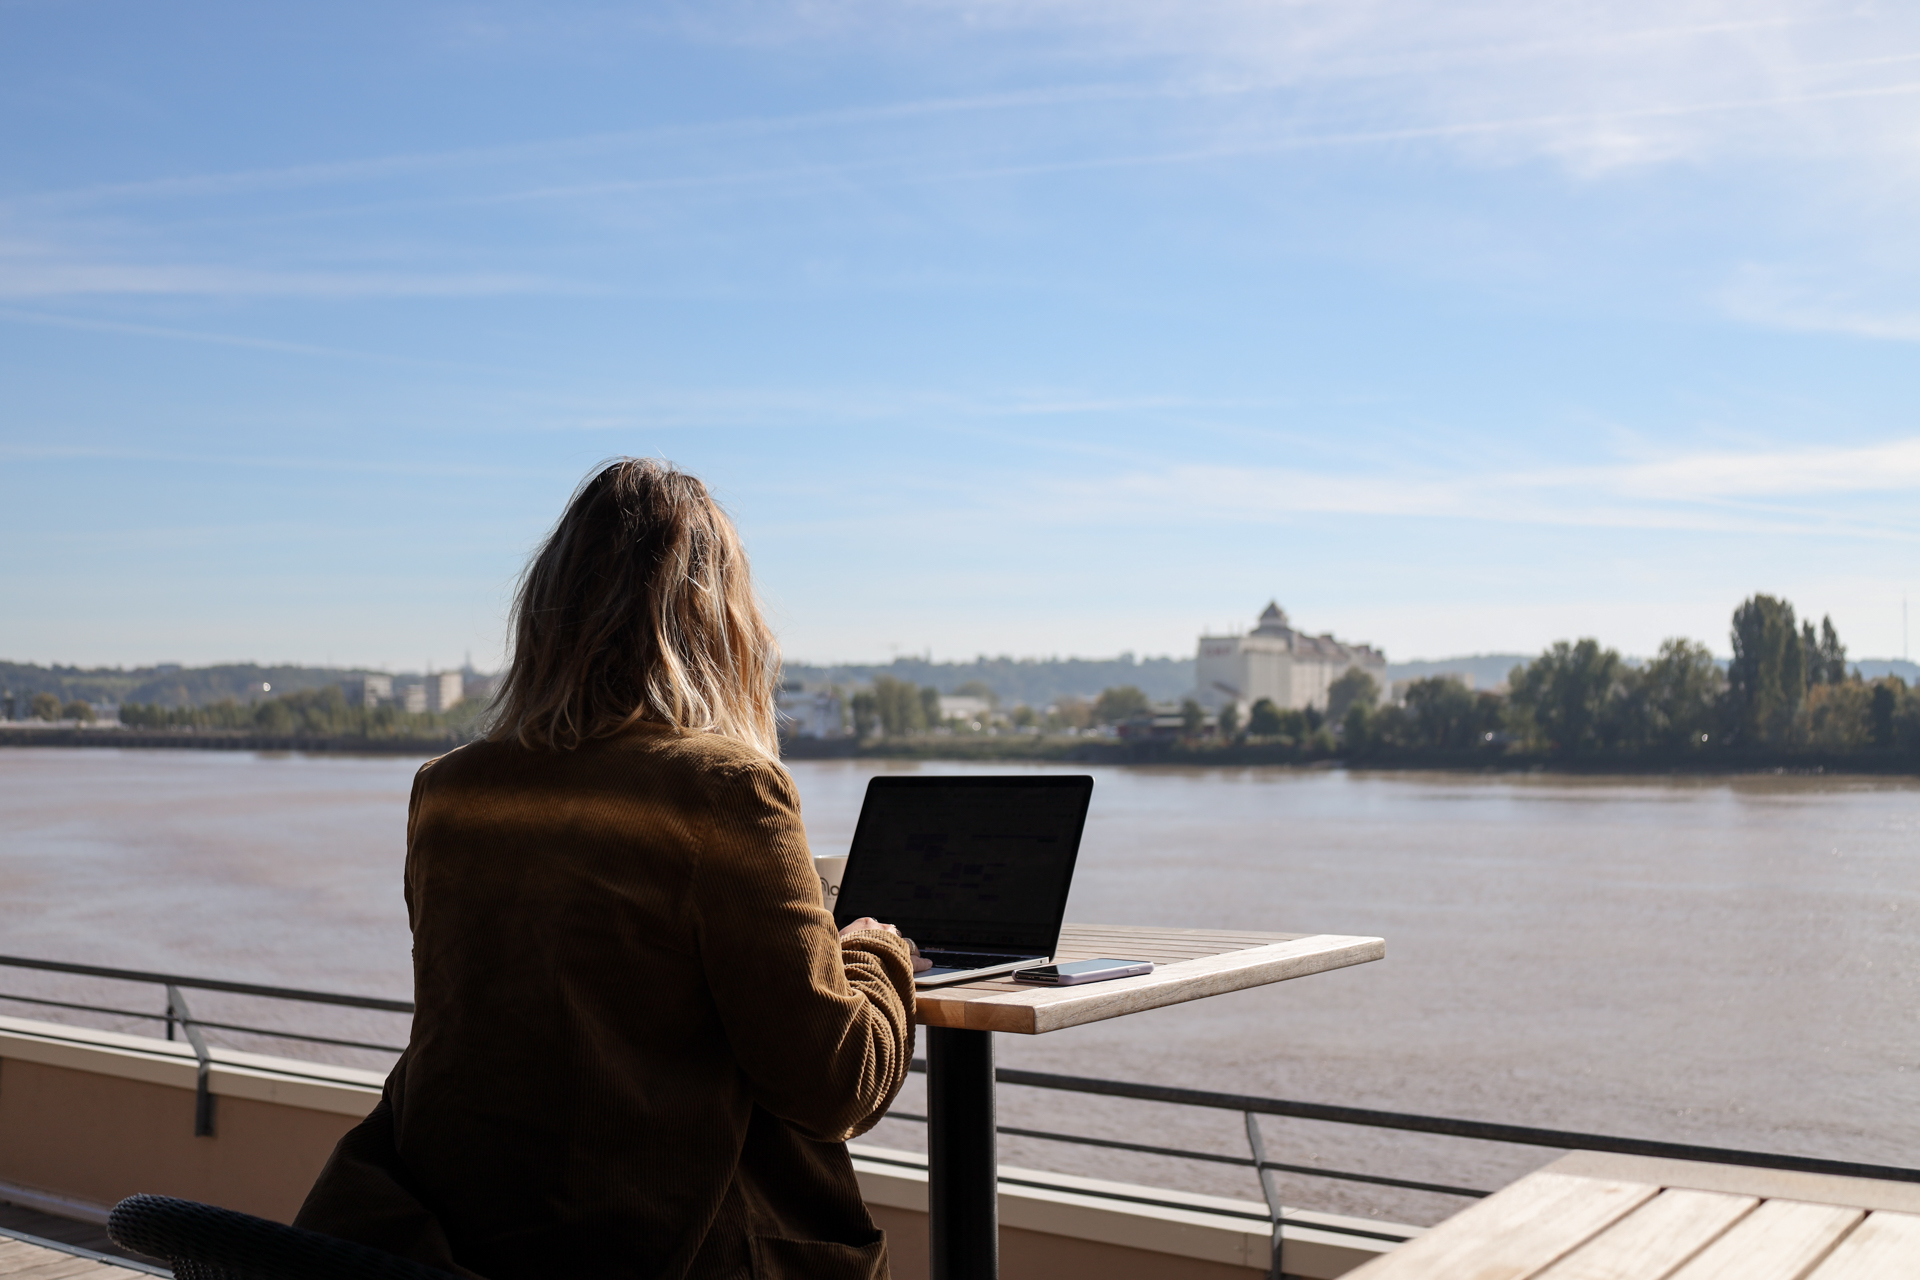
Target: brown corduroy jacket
(640, 1045)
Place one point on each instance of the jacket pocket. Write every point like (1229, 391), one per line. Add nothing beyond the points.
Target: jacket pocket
(778, 1258)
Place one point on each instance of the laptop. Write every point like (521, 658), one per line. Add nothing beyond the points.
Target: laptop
(974, 869)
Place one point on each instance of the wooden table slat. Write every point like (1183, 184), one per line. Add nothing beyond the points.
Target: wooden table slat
(1884, 1247)
(1655, 1238)
(1514, 1234)
(1779, 1240)
(1692, 1221)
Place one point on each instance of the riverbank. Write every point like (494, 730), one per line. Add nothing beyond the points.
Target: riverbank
(224, 740)
(1202, 754)
(1071, 750)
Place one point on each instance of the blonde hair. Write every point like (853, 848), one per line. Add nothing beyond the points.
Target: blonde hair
(638, 606)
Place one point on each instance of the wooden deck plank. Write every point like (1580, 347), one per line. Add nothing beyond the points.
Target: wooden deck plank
(1655, 1238)
(20, 1253)
(1226, 962)
(1779, 1240)
(25, 1260)
(57, 1266)
(1514, 1234)
(1884, 1247)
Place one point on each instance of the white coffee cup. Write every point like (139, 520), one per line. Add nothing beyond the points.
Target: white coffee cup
(830, 869)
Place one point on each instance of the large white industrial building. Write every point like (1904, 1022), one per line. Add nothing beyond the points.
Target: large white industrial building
(1275, 661)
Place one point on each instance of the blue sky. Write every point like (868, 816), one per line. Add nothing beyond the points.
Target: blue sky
(1040, 328)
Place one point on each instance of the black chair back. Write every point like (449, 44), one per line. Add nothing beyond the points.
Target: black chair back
(204, 1242)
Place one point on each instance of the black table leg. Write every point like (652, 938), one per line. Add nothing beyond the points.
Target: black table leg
(963, 1193)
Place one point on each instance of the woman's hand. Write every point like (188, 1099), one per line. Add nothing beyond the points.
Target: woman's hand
(867, 924)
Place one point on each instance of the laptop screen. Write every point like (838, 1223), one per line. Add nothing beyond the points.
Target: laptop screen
(981, 862)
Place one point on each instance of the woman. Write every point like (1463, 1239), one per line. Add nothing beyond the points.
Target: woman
(640, 1046)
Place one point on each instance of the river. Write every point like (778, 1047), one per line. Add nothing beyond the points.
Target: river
(1729, 961)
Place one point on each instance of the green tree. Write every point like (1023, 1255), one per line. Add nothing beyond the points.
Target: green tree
(1356, 727)
(274, 716)
(1193, 717)
(1296, 724)
(1825, 658)
(1767, 679)
(1263, 719)
(1354, 688)
(77, 710)
(1444, 714)
(1674, 700)
(929, 706)
(1069, 712)
(1884, 709)
(1389, 726)
(1120, 703)
(1840, 716)
(1829, 664)
(1569, 698)
(45, 706)
(1228, 719)
(898, 706)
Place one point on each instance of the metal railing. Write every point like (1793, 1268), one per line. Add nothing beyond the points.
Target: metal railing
(1250, 1107)
(177, 1015)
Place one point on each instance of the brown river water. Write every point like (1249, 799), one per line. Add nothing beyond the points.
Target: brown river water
(1728, 961)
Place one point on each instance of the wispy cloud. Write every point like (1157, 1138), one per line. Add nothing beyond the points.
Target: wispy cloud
(1771, 492)
(1608, 84)
(169, 333)
(55, 278)
(1781, 299)
(1137, 84)
(362, 170)
(1893, 467)
(1593, 87)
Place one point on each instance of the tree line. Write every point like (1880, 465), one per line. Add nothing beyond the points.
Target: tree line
(313, 713)
(47, 706)
(900, 708)
(1787, 690)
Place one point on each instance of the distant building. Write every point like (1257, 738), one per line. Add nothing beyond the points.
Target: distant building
(445, 691)
(367, 691)
(808, 713)
(964, 707)
(412, 698)
(1275, 661)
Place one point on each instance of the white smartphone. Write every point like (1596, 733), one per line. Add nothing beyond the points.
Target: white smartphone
(1077, 971)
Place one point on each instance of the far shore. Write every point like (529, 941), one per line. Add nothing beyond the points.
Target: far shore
(1057, 749)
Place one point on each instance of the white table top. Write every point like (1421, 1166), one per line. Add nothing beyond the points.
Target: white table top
(1189, 964)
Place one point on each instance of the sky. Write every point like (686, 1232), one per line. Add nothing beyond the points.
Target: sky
(1032, 329)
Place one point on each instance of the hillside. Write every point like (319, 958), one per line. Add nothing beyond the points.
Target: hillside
(1032, 681)
(168, 685)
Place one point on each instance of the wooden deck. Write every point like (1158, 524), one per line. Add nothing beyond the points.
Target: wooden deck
(1604, 1217)
(26, 1260)
(1189, 964)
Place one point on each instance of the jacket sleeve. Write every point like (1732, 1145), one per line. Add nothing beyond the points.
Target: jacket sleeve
(823, 1029)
